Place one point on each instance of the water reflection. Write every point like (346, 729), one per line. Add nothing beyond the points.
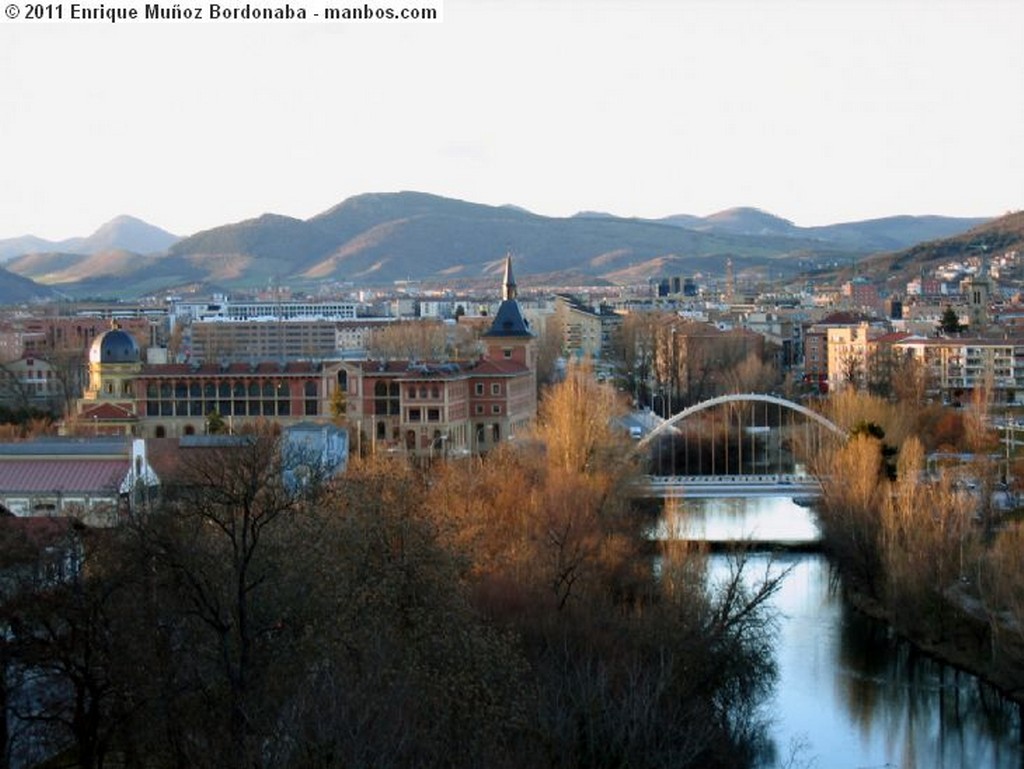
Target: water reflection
(853, 695)
(850, 694)
(728, 519)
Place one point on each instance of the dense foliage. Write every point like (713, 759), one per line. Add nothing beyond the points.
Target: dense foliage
(495, 613)
(925, 546)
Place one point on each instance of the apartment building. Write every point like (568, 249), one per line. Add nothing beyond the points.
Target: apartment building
(957, 368)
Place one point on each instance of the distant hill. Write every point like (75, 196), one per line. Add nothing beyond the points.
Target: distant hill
(750, 221)
(991, 239)
(868, 236)
(382, 237)
(15, 289)
(124, 233)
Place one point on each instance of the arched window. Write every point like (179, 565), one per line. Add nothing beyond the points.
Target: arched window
(312, 404)
(410, 440)
(343, 380)
(394, 399)
(160, 432)
(380, 398)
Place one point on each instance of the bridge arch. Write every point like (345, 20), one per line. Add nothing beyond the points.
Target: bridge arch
(742, 398)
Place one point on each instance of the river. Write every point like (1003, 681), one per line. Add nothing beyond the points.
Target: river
(850, 695)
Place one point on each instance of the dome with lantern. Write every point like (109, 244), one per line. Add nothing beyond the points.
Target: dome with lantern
(114, 346)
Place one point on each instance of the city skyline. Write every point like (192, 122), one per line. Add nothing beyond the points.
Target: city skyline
(819, 113)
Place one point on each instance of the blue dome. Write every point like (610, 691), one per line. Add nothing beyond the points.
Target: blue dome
(114, 346)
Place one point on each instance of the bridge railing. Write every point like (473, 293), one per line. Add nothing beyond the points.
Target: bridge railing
(781, 479)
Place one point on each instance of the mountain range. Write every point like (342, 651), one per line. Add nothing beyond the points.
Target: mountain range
(375, 239)
(121, 233)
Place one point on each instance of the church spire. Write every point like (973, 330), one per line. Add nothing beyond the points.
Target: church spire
(508, 286)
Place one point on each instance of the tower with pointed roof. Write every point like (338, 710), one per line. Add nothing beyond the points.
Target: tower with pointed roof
(509, 338)
(504, 383)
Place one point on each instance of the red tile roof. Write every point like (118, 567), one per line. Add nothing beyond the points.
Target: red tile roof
(45, 476)
(501, 367)
(892, 337)
(106, 412)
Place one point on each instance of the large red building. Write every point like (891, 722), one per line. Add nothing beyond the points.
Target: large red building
(451, 408)
(418, 408)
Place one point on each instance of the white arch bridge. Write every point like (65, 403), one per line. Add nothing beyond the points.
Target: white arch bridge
(740, 445)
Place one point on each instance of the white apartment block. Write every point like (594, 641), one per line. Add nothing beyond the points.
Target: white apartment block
(958, 367)
(222, 309)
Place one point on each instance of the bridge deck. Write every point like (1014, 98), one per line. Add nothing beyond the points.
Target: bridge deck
(702, 486)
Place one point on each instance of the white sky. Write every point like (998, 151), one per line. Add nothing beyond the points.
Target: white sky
(816, 110)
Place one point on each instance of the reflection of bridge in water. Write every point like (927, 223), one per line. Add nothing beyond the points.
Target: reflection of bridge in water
(744, 444)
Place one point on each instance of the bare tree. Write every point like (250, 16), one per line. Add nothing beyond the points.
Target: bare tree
(408, 340)
(216, 548)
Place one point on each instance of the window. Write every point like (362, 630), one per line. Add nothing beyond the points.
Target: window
(412, 393)
(507, 352)
(479, 408)
(433, 415)
(495, 388)
(312, 400)
(495, 408)
(496, 432)
(414, 415)
(479, 388)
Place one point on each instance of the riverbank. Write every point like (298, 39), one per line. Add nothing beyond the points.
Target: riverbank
(966, 644)
(662, 546)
